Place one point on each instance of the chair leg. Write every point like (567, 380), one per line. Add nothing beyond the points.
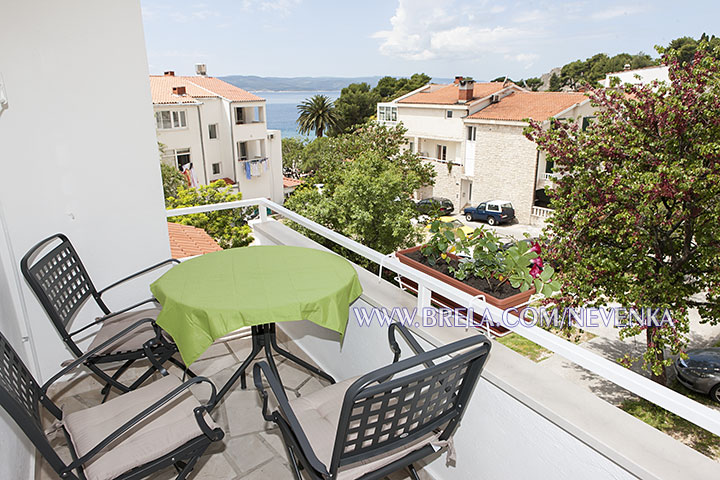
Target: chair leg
(293, 462)
(413, 473)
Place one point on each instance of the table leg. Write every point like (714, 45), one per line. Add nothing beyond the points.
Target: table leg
(293, 358)
(263, 338)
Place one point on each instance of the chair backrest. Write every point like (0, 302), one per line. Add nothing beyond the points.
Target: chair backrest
(381, 415)
(20, 397)
(60, 282)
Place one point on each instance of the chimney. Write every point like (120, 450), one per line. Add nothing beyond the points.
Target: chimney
(169, 73)
(626, 67)
(201, 69)
(179, 90)
(465, 90)
(458, 79)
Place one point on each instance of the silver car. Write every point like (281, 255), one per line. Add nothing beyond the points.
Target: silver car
(700, 372)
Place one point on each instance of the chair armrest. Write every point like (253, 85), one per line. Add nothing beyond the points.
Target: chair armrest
(110, 315)
(215, 434)
(137, 274)
(409, 338)
(83, 358)
(262, 368)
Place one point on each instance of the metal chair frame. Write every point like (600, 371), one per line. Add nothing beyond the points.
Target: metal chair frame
(21, 396)
(386, 409)
(62, 284)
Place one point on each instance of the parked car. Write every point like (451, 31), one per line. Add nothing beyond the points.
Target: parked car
(700, 372)
(435, 206)
(494, 212)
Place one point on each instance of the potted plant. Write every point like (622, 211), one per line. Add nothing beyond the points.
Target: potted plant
(481, 264)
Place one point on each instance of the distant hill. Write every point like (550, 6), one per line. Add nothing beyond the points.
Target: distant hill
(301, 84)
(295, 84)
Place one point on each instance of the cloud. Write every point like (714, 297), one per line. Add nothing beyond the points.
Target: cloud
(526, 59)
(615, 12)
(428, 29)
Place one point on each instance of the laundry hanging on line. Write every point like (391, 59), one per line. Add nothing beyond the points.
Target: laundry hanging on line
(255, 167)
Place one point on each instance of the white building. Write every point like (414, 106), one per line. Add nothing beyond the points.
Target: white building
(472, 133)
(638, 75)
(221, 130)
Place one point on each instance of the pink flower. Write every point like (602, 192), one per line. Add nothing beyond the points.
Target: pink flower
(537, 261)
(535, 247)
(535, 271)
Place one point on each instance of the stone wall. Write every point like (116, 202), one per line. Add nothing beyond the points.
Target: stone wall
(505, 167)
(447, 184)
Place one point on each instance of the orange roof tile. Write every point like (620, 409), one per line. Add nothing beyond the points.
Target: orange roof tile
(448, 94)
(188, 241)
(536, 105)
(291, 182)
(196, 87)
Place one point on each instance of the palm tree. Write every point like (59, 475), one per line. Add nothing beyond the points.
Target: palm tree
(317, 114)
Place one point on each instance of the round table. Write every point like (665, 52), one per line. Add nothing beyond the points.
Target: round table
(208, 297)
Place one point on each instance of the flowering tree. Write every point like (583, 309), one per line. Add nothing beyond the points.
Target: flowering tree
(637, 206)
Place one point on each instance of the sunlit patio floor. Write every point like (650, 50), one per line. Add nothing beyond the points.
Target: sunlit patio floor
(252, 448)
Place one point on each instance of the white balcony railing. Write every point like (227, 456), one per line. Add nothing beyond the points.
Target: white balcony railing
(548, 176)
(677, 403)
(541, 212)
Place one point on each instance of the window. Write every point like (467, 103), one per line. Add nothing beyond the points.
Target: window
(216, 169)
(471, 133)
(179, 157)
(442, 152)
(168, 119)
(387, 114)
(213, 130)
(411, 146)
(239, 115)
(586, 122)
(242, 150)
(492, 207)
(448, 114)
(258, 115)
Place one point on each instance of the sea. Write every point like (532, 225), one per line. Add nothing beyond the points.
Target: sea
(282, 110)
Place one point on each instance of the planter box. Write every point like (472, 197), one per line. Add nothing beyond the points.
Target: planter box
(501, 303)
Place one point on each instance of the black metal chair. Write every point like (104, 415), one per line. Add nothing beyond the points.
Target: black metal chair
(62, 285)
(382, 422)
(128, 437)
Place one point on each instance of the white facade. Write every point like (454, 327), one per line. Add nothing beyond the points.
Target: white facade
(639, 75)
(73, 177)
(218, 135)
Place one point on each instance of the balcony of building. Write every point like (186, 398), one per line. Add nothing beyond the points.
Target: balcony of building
(523, 420)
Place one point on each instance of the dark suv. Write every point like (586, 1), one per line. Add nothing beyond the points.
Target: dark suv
(435, 206)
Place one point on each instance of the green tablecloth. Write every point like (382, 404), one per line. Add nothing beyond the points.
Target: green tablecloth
(207, 297)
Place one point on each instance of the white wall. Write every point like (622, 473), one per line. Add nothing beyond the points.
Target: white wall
(185, 137)
(77, 157)
(432, 122)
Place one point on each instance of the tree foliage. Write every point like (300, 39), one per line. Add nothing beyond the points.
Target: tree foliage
(685, 47)
(368, 179)
(318, 115)
(636, 208)
(356, 104)
(172, 180)
(228, 227)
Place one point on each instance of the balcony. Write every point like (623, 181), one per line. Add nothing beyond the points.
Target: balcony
(523, 420)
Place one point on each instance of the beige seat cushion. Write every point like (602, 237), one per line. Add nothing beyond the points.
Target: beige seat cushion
(319, 414)
(162, 432)
(132, 341)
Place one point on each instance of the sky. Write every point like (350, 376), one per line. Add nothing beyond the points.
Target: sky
(477, 38)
